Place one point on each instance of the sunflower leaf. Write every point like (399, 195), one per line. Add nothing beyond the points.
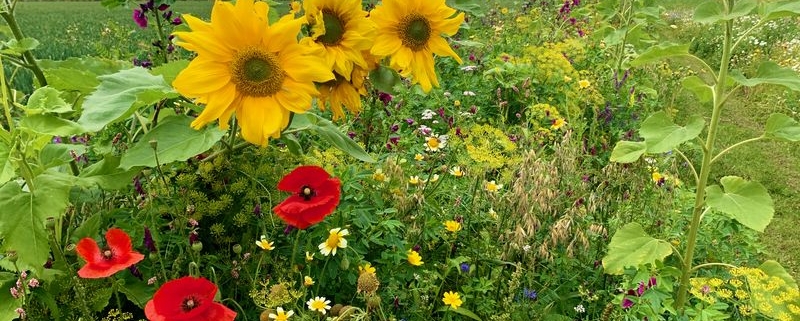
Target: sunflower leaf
(747, 202)
(631, 246)
(328, 131)
(627, 151)
(175, 140)
(782, 127)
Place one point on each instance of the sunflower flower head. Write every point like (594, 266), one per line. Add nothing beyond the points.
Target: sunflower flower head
(246, 67)
(411, 32)
(335, 241)
(340, 31)
(453, 299)
(558, 123)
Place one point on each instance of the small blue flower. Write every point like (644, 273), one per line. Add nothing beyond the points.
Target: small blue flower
(464, 267)
(530, 294)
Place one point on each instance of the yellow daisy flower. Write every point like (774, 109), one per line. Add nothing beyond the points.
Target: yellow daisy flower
(366, 268)
(335, 240)
(414, 258)
(418, 157)
(493, 187)
(434, 178)
(308, 281)
(452, 226)
(341, 31)
(583, 84)
(411, 33)
(248, 67)
(558, 123)
(319, 304)
(435, 143)
(453, 299)
(379, 176)
(456, 171)
(264, 244)
(414, 180)
(281, 315)
(309, 256)
(656, 177)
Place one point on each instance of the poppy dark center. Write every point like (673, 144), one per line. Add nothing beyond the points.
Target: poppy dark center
(189, 304)
(415, 30)
(306, 192)
(334, 28)
(107, 254)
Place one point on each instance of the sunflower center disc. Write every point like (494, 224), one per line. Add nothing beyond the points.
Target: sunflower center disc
(334, 28)
(415, 32)
(256, 72)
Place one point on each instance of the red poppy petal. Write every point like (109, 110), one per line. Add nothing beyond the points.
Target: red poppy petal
(151, 313)
(98, 270)
(118, 241)
(87, 249)
(301, 213)
(219, 312)
(129, 259)
(287, 214)
(169, 299)
(303, 175)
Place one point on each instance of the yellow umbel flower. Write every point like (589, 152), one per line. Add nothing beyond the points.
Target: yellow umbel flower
(452, 226)
(264, 244)
(453, 299)
(414, 258)
(340, 33)
(411, 33)
(248, 67)
(583, 84)
(335, 240)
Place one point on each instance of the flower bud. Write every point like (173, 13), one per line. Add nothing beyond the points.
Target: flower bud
(197, 246)
(237, 249)
(345, 264)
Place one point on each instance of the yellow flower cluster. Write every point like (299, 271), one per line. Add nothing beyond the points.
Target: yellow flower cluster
(488, 148)
(752, 291)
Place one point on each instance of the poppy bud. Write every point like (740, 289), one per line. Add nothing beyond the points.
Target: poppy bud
(153, 256)
(265, 315)
(345, 264)
(12, 256)
(237, 249)
(197, 246)
(336, 309)
(374, 302)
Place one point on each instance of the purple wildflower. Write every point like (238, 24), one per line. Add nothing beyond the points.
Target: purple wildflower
(626, 303)
(530, 294)
(149, 243)
(140, 18)
(386, 98)
(464, 267)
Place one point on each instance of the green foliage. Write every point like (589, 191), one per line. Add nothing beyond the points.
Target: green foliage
(782, 127)
(172, 140)
(748, 202)
(631, 246)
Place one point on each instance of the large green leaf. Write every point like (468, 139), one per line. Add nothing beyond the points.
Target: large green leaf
(773, 268)
(385, 79)
(78, 74)
(7, 169)
(8, 304)
(747, 202)
(631, 246)
(661, 52)
(772, 289)
(782, 127)
(24, 214)
(51, 125)
(176, 141)
(328, 131)
(662, 135)
(53, 155)
(20, 47)
(120, 94)
(699, 88)
(170, 70)
(770, 73)
(712, 11)
(627, 151)
(107, 174)
(46, 100)
(461, 311)
(780, 9)
(473, 7)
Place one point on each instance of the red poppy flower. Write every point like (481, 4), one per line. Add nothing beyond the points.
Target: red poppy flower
(119, 255)
(315, 194)
(187, 298)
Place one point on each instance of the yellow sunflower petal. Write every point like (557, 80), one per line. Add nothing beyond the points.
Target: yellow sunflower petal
(440, 47)
(202, 77)
(218, 104)
(259, 118)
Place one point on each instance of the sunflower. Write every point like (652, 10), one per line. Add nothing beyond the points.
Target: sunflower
(411, 33)
(340, 92)
(246, 66)
(340, 31)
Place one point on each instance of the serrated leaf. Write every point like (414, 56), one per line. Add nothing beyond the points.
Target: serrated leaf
(120, 94)
(780, 9)
(782, 127)
(176, 140)
(770, 73)
(328, 131)
(631, 246)
(661, 52)
(24, 214)
(53, 155)
(51, 125)
(662, 135)
(699, 88)
(712, 11)
(747, 202)
(170, 70)
(107, 174)
(627, 151)
(46, 100)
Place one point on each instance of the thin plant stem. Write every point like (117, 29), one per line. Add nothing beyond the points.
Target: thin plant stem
(705, 265)
(691, 166)
(30, 61)
(4, 88)
(730, 148)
